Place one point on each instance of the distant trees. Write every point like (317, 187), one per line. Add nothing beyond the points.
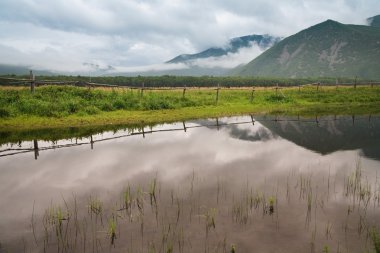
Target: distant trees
(202, 81)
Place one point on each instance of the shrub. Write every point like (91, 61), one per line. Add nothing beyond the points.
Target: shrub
(72, 106)
(106, 106)
(91, 110)
(156, 104)
(277, 98)
(119, 104)
(4, 113)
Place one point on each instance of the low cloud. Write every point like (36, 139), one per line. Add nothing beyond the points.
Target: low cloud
(231, 60)
(150, 68)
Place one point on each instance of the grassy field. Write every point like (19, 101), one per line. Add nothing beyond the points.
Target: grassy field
(64, 106)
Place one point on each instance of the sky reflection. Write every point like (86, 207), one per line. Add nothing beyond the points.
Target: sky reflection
(239, 153)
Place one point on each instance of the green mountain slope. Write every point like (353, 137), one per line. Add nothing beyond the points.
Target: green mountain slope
(6, 69)
(326, 49)
(374, 21)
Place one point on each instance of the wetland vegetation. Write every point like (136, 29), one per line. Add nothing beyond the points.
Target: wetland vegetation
(63, 106)
(320, 214)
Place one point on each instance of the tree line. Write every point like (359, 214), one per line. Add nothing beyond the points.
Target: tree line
(193, 81)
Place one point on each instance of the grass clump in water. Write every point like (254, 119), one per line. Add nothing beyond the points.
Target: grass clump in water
(95, 206)
(375, 236)
(112, 230)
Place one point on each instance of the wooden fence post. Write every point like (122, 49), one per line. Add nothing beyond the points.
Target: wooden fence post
(36, 153)
(142, 89)
(252, 92)
(92, 143)
(184, 91)
(32, 81)
(355, 82)
(217, 123)
(253, 121)
(184, 126)
(217, 95)
(276, 89)
(318, 86)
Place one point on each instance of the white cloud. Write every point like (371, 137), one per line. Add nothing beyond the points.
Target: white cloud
(153, 67)
(231, 60)
(45, 48)
(62, 34)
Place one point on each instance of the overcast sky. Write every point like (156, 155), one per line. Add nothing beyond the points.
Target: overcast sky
(64, 34)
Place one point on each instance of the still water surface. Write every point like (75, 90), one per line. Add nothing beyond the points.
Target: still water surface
(261, 184)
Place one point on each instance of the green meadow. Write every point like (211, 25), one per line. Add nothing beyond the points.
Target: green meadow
(68, 106)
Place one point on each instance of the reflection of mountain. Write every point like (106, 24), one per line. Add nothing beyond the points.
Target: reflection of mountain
(332, 135)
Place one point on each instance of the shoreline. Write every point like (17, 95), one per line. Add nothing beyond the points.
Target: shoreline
(140, 118)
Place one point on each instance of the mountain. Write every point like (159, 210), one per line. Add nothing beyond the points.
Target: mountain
(233, 46)
(93, 69)
(6, 69)
(326, 49)
(374, 21)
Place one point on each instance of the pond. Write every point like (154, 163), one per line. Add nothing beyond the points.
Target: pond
(240, 184)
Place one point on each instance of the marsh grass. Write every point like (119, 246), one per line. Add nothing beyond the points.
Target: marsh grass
(271, 202)
(210, 220)
(133, 228)
(233, 248)
(112, 230)
(127, 198)
(152, 192)
(375, 236)
(95, 206)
